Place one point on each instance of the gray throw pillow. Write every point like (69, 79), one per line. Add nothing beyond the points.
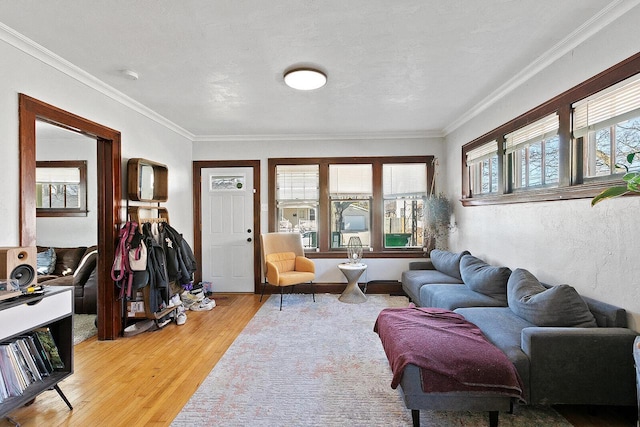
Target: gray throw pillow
(560, 305)
(46, 261)
(484, 278)
(447, 262)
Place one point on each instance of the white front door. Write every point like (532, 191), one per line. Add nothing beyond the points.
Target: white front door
(227, 228)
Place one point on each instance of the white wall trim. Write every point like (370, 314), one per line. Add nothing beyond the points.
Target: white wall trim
(320, 137)
(606, 16)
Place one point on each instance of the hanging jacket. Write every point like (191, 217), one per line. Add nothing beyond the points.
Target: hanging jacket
(181, 263)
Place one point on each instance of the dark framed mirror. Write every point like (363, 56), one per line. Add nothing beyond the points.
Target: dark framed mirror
(147, 181)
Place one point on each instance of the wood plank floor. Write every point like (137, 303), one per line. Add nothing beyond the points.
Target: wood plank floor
(147, 379)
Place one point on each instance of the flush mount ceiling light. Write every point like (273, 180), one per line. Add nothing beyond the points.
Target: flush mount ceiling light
(305, 78)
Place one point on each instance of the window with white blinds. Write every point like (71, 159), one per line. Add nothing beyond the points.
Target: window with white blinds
(482, 163)
(404, 180)
(608, 107)
(350, 180)
(543, 129)
(297, 183)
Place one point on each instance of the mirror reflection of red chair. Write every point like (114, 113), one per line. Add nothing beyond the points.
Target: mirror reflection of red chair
(284, 263)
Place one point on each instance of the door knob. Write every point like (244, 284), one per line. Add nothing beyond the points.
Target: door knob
(249, 231)
(249, 239)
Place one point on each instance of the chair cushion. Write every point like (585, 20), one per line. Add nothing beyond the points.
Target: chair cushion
(559, 306)
(85, 267)
(447, 262)
(484, 278)
(284, 261)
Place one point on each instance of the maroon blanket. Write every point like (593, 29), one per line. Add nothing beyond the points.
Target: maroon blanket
(452, 353)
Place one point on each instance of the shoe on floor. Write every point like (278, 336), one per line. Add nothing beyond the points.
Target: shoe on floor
(202, 306)
(181, 318)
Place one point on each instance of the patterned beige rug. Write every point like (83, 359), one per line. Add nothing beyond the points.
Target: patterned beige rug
(319, 364)
(84, 327)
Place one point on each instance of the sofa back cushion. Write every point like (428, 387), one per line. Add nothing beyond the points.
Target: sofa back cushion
(447, 262)
(86, 265)
(67, 260)
(560, 305)
(284, 261)
(484, 278)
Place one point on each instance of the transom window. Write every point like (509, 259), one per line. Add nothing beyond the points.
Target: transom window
(572, 146)
(380, 200)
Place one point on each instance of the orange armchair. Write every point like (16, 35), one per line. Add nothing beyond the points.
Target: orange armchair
(284, 262)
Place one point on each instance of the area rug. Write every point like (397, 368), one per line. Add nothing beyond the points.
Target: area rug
(319, 364)
(84, 327)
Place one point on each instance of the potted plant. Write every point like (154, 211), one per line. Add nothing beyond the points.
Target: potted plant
(632, 180)
(438, 212)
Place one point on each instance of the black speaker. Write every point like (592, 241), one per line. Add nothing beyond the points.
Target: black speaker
(20, 264)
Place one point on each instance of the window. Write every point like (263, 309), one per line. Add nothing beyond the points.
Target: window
(61, 188)
(609, 125)
(297, 191)
(533, 152)
(404, 188)
(329, 200)
(572, 146)
(482, 163)
(350, 193)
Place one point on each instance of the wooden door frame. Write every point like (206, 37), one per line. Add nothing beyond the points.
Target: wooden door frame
(109, 196)
(197, 212)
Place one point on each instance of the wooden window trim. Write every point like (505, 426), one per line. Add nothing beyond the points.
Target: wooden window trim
(377, 203)
(570, 185)
(82, 196)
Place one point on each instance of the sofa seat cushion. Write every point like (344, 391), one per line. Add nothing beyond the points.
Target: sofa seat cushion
(413, 280)
(447, 262)
(452, 296)
(484, 278)
(503, 328)
(560, 305)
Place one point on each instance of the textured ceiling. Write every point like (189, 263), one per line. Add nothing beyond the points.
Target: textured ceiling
(215, 67)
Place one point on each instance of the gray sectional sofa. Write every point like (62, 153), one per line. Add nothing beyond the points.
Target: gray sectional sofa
(567, 349)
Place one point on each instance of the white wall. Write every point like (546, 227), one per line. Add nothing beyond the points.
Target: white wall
(326, 270)
(141, 136)
(593, 249)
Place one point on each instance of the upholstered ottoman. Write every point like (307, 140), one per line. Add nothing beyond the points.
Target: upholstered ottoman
(442, 362)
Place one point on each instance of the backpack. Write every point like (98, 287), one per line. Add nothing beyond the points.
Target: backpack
(129, 268)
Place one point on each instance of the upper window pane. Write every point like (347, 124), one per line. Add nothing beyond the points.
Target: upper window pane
(297, 182)
(350, 180)
(607, 147)
(404, 180)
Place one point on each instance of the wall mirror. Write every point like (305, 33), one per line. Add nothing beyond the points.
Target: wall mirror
(147, 181)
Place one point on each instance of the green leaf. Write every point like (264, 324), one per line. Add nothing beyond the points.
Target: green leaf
(630, 157)
(609, 193)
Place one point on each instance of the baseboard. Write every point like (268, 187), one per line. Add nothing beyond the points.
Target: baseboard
(390, 287)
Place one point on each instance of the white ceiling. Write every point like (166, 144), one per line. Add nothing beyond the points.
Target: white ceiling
(214, 67)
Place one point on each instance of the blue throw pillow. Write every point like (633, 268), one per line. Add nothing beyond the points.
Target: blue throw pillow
(46, 261)
(484, 278)
(559, 306)
(447, 262)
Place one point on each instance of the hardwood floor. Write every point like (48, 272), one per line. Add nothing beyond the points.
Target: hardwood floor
(147, 379)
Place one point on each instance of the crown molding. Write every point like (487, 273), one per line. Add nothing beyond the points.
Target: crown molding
(427, 134)
(599, 21)
(28, 46)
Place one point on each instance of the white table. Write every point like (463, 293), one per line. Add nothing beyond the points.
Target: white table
(352, 293)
